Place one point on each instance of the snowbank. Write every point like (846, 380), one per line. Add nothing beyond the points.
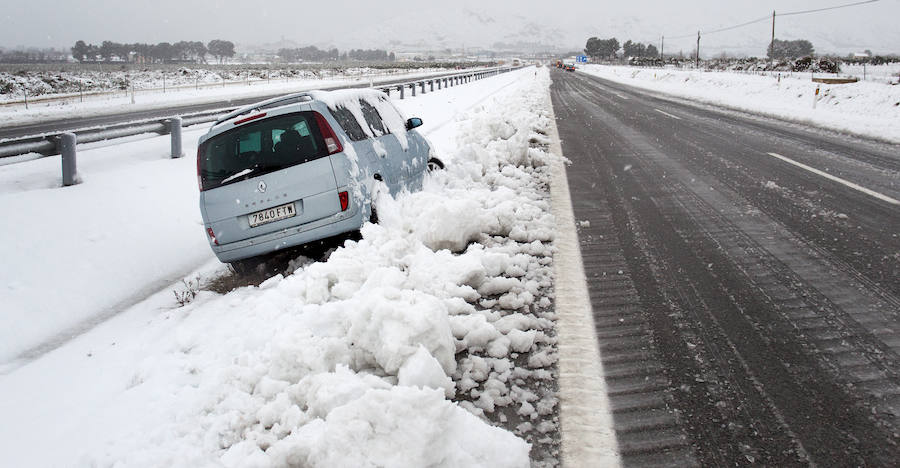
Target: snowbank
(393, 352)
(867, 108)
(131, 229)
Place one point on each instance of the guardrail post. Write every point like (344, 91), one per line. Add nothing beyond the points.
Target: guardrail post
(413, 88)
(439, 83)
(66, 146)
(175, 131)
(431, 83)
(422, 84)
(401, 90)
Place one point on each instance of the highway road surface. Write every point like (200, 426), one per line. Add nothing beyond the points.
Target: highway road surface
(744, 276)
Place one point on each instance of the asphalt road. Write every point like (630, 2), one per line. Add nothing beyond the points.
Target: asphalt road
(744, 276)
(62, 125)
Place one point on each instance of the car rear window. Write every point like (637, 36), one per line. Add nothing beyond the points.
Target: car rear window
(258, 148)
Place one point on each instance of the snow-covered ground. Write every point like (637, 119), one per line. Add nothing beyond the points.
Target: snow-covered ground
(866, 108)
(87, 80)
(885, 73)
(153, 96)
(395, 351)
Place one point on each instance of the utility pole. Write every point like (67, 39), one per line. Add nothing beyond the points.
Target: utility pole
(697, 59)
(662, 48)
(772, 44)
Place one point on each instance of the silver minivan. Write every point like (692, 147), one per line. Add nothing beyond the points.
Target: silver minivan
(303, 167)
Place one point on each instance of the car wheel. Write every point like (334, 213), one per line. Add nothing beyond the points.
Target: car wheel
(435, 164)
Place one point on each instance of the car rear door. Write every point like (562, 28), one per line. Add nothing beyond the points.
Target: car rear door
(255, 183)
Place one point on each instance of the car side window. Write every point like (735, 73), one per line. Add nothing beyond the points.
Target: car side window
(372, 118)
(348, 122)
(388, 112)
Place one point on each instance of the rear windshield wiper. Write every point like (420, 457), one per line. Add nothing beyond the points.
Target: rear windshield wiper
(238, 174)
(256, 169)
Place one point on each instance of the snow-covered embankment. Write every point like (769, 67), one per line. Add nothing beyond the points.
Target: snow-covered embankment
(866, 108)
(393, 352)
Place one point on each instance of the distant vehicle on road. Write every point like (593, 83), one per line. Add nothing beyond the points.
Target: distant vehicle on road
(570, 67)
(303, 167)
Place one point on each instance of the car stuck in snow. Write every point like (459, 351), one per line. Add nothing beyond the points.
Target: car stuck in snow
(303, 167)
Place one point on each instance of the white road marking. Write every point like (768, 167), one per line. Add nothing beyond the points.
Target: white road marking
(828, 176)
(620, 95)
(668, 114)
(586, 423)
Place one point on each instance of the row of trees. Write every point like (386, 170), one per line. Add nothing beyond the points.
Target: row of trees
(195, 51)
(33, 55)
(781, 50)
(609, 48)
(152, 53)
(314, 54)
(308, 54)
(601, 48)
(371, 55)
(636, 49)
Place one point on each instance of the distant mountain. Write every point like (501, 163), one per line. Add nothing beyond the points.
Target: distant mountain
(436, 29)
(479, 25)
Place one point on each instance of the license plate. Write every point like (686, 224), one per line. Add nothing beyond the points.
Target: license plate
(272, 214)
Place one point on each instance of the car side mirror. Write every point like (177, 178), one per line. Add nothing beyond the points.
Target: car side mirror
(413, 123)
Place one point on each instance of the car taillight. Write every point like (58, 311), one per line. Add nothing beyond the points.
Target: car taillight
(331, 140)
(344, 197)
(199, 156)
(212, 235)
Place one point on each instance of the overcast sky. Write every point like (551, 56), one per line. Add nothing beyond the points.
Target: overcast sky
(343, 23)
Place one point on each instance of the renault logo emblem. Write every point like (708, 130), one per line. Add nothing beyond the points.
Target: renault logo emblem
(261, 187)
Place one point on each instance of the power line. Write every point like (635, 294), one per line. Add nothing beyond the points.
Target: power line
(748, 23)
(827, 8)
(767, 17)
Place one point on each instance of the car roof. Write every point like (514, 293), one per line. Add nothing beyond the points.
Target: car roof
(280, 101)
(309, 99)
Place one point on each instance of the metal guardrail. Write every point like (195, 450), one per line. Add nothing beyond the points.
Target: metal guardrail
(48, 144)
(446, 81)
(51, 143)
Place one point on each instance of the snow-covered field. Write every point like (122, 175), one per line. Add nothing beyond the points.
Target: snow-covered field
(45, 82)
(885, 73)
(181, 91)
(866, 108)
(395, 351)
